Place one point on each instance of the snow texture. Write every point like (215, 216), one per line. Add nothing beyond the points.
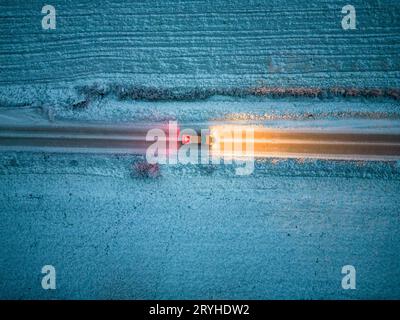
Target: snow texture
(197, 232)
(194, 46)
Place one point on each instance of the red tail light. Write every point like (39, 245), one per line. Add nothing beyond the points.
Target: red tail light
(185, 139)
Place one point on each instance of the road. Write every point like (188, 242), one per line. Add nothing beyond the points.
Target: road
(331, 143)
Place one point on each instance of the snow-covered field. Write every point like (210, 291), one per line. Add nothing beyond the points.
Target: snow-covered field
(193, 45)
(272, 112)
(283, 232)
(197, 231)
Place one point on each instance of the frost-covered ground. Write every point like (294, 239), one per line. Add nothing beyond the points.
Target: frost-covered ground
(283, 232)
(197, 231)
(194, 45)
(303, 111)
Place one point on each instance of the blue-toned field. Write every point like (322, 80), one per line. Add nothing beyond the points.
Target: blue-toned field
(199, 231)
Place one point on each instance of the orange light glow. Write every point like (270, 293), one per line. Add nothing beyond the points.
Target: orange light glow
(258, 141)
